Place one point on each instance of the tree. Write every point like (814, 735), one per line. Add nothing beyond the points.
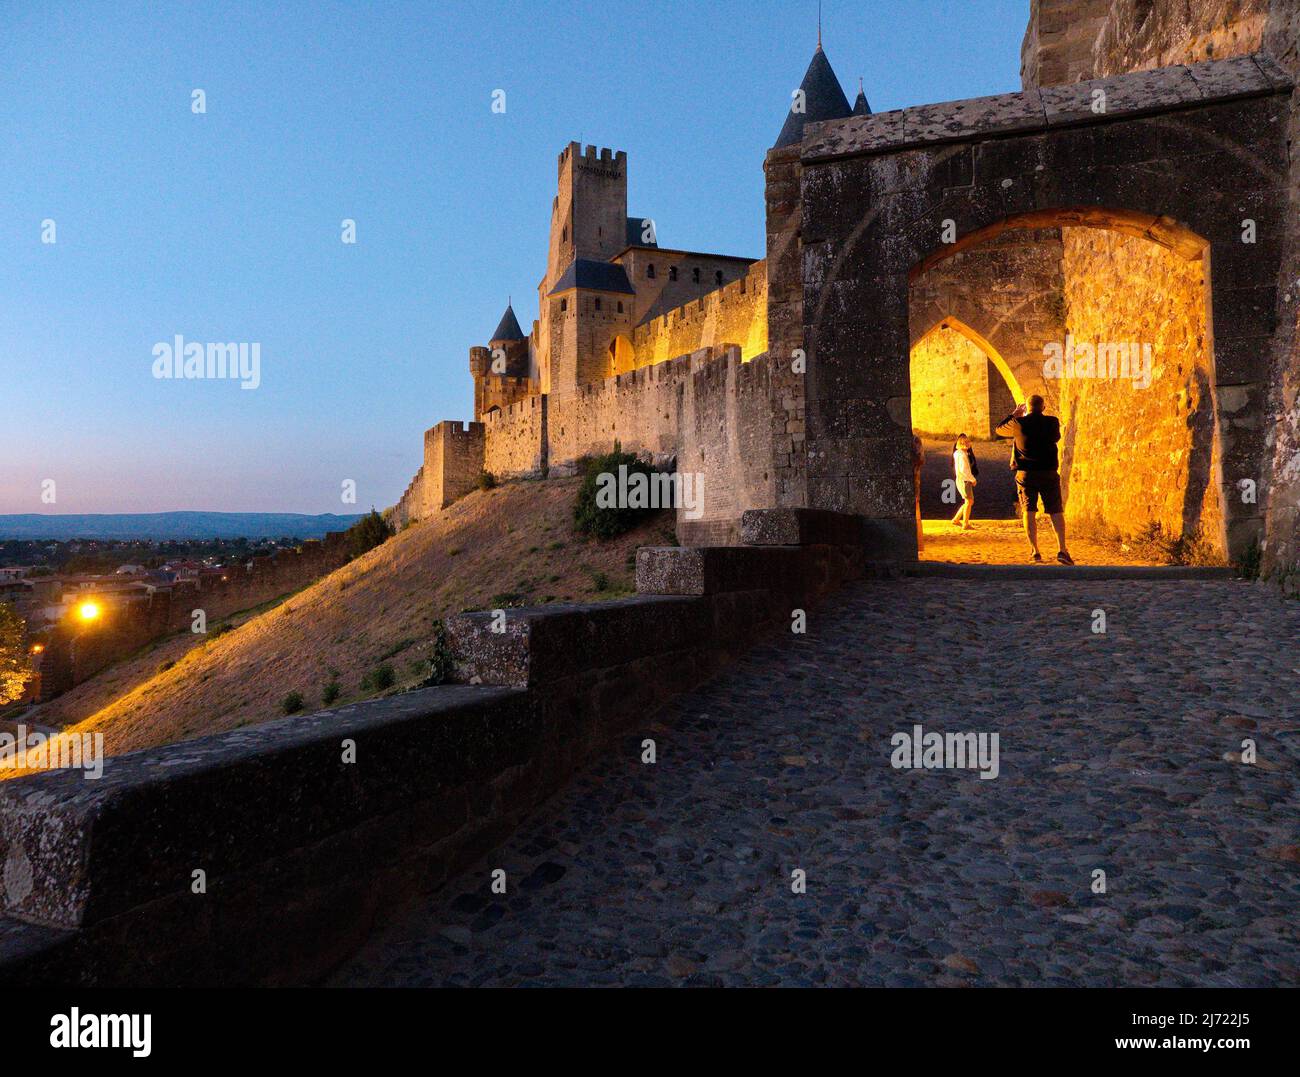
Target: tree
(15, 670)
(367, 533)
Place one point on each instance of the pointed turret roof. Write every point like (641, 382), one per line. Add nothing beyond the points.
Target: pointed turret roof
(508, 329)
(823, 99)
(860, 106)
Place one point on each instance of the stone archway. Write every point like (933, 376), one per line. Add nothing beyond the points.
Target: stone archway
(1181, 157)
(1031, 374)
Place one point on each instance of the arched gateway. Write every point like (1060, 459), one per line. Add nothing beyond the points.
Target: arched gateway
(1192, 158)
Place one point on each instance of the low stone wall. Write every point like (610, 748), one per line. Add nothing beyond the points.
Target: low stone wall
(301, 846)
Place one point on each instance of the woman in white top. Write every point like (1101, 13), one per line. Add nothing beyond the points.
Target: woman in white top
(967, 470)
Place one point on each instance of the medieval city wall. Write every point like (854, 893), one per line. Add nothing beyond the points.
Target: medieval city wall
(1139, 35)
(736, 313)
(709, 411)
(950, 379)
(1139, 457)
(514, 439)
(75, 652)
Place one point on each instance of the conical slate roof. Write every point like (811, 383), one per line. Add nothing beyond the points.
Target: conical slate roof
(508, 328)
(823, 99)
(860, 106)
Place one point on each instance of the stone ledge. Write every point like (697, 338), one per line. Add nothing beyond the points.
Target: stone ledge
(1137, 93)
(800, 527)
(790, 572)
(546, 643)
(76, 851)
(301, 851)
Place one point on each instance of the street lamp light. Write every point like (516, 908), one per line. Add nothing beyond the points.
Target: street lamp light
(89, 611)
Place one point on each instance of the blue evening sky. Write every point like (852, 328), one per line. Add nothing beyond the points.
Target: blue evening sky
(226, 226)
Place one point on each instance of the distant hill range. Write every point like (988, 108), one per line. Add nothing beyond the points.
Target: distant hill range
(161, 526)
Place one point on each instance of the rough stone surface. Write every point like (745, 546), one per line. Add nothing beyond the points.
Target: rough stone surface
(1112, 757)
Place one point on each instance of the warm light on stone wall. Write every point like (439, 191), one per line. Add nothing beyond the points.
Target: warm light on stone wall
(950, 385)
(1136, 457)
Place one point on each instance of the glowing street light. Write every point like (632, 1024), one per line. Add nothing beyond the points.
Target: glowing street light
(89, 611)
(37, 648)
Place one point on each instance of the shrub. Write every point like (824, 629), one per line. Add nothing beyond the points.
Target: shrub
(441, 662)
(331, 692)
(292, 703)
(165, 666)
(486, 480)
(601, 581)
(368, 532)
(378, 679)
(605, 521)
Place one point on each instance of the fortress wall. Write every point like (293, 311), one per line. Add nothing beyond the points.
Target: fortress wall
(735, 313)
(1138, 35)
(76, 652)
(453, 461)
(726, 440)
(502, 390)
(1137, 457)
(639, 409)
(950, 379)
(514, 439)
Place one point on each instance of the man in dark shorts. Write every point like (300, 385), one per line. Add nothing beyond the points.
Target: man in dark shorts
(1035, 462)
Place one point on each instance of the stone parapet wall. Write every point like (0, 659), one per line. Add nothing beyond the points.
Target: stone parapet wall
(302, 849)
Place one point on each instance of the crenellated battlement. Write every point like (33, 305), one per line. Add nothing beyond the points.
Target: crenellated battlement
(603, 158)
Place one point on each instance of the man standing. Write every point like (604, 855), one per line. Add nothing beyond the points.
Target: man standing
(1034, 458)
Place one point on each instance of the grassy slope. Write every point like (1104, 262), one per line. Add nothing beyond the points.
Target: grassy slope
(512, 545)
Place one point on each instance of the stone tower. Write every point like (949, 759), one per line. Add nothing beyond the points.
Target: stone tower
(589, 223)
(501, 370)
(590, 306)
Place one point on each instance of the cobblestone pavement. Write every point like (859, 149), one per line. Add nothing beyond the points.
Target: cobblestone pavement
(1116, 753)
(1003, 542)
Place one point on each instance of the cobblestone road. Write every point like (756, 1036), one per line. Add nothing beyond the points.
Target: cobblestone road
(1114, 756)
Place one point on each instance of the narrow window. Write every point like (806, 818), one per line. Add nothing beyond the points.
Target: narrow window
(598, 304)
(672, 272)
(695, 274)
(650, 271)
(620, 308)
(717, 277)
(564, 305)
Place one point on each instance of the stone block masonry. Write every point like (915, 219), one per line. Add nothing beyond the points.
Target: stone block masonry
(735, 313)
(303, 847)
(453, 462)
(708, 412)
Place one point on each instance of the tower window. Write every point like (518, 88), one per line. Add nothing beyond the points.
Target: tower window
(695, 274)
(564, 234)
(598, 304)
(564, 305)
(650, 271)
(672, 272)
(620, 306)
(717, 277)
